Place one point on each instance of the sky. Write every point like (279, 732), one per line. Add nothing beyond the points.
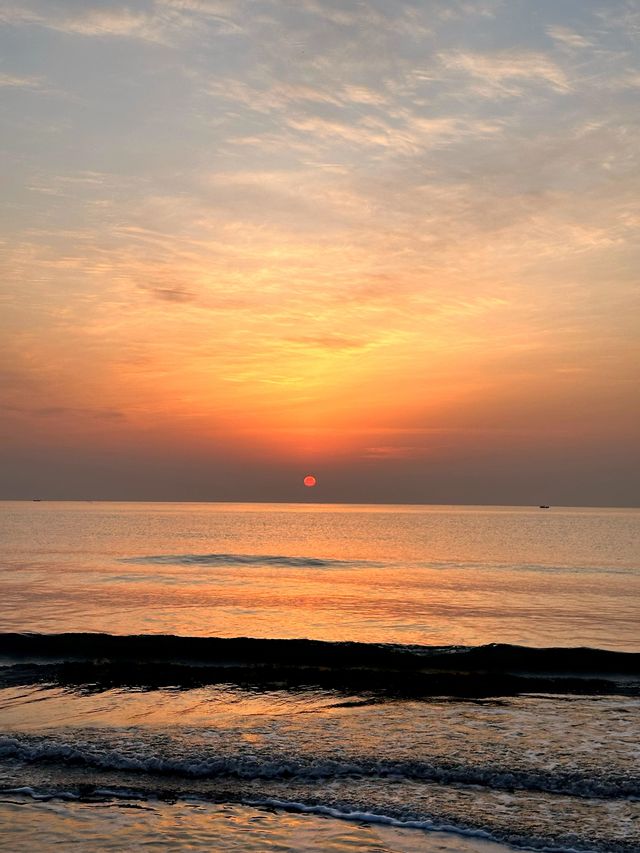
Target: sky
(394, 245)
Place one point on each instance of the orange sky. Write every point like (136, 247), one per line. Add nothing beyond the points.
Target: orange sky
(397, 246)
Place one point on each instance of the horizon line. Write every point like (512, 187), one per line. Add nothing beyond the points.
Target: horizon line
(315, 503)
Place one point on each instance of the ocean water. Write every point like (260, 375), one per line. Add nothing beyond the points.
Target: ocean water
(312, 677)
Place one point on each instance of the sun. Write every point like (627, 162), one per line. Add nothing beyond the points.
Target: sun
(309, 481)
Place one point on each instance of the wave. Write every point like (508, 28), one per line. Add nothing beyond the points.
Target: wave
(404, 670)
(298, 769)
(283, 561)
(244, 560)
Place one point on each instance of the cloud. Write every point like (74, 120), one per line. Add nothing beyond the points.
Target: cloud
(568, 38)
(108, 19)
(461, 9)
(625, 19)
(505, 73)
(296, 118)
(68, 412)
(15, 15)
(118, 22)
(163, 22)
(172, 294)
(395, 452)
(18, 82)
(330, 342)
(226, 14)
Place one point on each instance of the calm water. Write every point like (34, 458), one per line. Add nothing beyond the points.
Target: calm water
(434, 575)
(275, 747)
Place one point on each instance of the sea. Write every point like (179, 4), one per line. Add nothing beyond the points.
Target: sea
(310, 677)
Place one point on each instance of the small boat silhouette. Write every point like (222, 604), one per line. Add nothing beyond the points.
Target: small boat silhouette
(543, 506)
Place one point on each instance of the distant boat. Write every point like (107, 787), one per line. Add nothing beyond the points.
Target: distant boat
(543, 506)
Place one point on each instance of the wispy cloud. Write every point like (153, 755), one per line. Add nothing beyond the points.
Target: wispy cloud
(506, 73)
(13, 81)
(66, 411)
(569, 38)
(172, 294)
(93, 19)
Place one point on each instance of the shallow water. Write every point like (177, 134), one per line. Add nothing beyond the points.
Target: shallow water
(111, 742)
(117, 825)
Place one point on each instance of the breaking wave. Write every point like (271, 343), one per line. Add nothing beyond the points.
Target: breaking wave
(299, 769)
(391, 669)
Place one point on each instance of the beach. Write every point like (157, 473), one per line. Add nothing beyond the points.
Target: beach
(262, 676)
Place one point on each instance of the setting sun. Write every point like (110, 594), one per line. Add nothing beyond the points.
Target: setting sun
(309, 481)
